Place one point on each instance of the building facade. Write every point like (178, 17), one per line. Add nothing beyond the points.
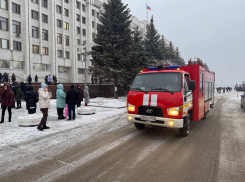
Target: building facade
(42, 37)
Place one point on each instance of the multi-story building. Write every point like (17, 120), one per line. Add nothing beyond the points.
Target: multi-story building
(42, 37)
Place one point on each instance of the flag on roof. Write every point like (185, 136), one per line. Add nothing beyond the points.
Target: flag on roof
(148, 7)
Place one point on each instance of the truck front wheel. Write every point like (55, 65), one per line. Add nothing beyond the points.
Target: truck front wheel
(139, 126)
(187, 126)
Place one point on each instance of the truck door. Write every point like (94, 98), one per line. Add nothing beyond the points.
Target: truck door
(201, 96)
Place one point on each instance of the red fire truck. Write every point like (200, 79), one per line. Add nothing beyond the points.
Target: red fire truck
(171, 96)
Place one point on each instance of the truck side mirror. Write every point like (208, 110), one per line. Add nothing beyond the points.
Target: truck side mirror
(192, 85)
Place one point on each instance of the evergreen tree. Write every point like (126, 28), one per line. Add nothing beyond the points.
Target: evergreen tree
(152, 43)
(115, 40)
(163, 49)
(138, 57)
(170, 52)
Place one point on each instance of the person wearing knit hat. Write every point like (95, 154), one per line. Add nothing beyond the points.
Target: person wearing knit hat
(44, 104)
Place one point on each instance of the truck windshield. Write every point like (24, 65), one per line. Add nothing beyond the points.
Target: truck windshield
(157, 82)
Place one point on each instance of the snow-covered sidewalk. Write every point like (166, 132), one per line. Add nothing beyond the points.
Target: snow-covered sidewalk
(12, 134)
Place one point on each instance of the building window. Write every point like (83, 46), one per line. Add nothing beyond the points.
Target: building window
(17, 46)
(59, 53)
(35, 49)
(16, 27)
(67, 12)
(79, 57)
(4, 44)
(80, 71)
(84, 20)
(78, 30)
(5, 64)
(35, 32)
(62, 69)
(41, 67)
(67, 55)
(45, 51)
(34, 1)
(83, 8)
(78, 41)
(59, 23)
(78, 5)
(67, 40)
(59, 38)
(58, 9)
(15, 8)
(93, 24)
(98, 14)
(45, 3)
(34, 14)
(93, 12)
(3, 23)
(66, 1)
(66, 25)
(93, 35)
(17, 65)
(78, 17)
(4, 4)
(84, 42)
(84, 32)
(44, 18)
(45, 34)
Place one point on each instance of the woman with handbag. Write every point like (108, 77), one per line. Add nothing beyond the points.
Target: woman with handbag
(61, 100)
(7, 101)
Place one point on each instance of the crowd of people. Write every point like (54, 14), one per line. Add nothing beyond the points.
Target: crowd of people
(49, 80)
(227, 89)
(17, 91)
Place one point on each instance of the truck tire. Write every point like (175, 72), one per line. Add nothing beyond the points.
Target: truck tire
(187, 126)
(205, 115)
(241, 103)
(139, 126)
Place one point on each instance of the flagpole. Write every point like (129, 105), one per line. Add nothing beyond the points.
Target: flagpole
(146, 13)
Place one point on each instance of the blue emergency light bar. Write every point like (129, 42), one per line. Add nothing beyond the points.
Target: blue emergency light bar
(163, 67)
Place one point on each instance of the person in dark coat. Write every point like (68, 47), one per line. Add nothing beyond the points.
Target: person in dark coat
(71, 100)
(7, 101)
(36, 79)
(55, 80)
(13, 77)
(1, 77)
(5, 77)
(31, 99)
(23, 89)
(29, 79)
(18, 96)
(80, 95)
(46, 79)
(125, 88)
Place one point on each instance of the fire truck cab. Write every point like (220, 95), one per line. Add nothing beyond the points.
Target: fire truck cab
(171, 96)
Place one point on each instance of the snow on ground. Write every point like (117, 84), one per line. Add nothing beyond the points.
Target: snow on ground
(12, 134)
(232, 158)
(109, 102)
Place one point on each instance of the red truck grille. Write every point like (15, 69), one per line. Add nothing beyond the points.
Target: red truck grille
(150, 111)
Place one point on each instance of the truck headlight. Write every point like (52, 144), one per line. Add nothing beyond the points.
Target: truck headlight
(173, 111)
(131, 107)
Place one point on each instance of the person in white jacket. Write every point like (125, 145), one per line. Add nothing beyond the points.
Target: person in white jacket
(44, 104)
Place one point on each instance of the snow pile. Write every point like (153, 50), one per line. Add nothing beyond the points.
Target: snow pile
(109, 102)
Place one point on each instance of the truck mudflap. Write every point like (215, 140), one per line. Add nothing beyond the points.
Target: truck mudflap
(155, 121)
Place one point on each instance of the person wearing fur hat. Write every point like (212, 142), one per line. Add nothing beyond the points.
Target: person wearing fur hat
(44, 103)
(7, 101)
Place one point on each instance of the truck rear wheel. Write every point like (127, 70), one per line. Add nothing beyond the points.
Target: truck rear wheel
(187, 126)
(243, 105)
(139, 126)
(205, 115)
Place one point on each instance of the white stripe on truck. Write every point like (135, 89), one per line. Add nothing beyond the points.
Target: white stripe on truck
(146, 99)
(153, 100)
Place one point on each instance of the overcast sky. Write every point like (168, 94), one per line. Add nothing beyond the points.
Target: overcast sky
(213, 30)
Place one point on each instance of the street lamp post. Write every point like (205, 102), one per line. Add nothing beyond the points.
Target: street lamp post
(86, 53)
